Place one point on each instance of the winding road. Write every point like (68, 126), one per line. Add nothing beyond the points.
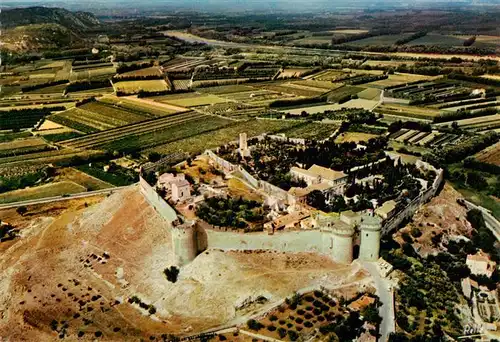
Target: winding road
(384, 292)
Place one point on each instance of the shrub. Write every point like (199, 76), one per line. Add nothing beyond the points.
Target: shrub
(293, 335)
(301, 312)
(308, 316)
(271, 327)
(171, 273)
(273, 318)
(282, 322)
(254, 325)
(309, 298)
(308, 324)
(281, 332)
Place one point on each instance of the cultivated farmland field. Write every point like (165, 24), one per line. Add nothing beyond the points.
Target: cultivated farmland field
(356, 103)
(208, 140)
(42, 191)
(192, 101)
(438, 40)
(311, 130)
(387, 39)
(408, 111)
(491, 155)
(354, 137)
(398, 79)
(132, 87)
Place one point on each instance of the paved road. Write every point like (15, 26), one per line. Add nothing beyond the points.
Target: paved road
(385, 294)
(62, 198)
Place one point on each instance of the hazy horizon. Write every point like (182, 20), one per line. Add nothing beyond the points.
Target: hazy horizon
(243, 5)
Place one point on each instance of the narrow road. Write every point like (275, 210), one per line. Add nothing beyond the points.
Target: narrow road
(385, 294)
(63, 198)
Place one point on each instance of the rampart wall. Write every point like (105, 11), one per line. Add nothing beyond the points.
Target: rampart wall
(160, 205)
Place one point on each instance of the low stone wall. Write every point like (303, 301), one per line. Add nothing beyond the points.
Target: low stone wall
(273, 190)
(160, 205)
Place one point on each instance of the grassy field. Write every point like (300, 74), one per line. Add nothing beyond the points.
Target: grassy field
(479, 198)
(61, 136)
(201, 142)
(42, 191)
(132, 87)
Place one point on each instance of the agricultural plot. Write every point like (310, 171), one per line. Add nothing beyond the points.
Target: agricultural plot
(168, 133)
(475, 123)
(142, 107)
(226, 89)
(291, 91)
(387, 39)
(490, 155)
(313, 40)
(208, 140)
(385, 64)
(122, 137)
(329, 75)
(87, 74)
(439, 40)
(293, 72)
(22, 147)
(370, 94)
(95, 116)
(342, 92)
(152, 71)
(49, 90)
(315, 85)
(181, 84)
(398, 79)
(193, 100)
(311, 130)
(42, 191)
(234, 110)
(356, 103)
(133, 87)
(354, 137)
(423, 113)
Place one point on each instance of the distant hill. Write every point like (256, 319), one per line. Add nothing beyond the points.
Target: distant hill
(42, 28)
(74, 21)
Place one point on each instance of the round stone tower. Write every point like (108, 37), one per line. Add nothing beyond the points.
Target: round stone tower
(370, 230)
(342, 243)
(184, 243)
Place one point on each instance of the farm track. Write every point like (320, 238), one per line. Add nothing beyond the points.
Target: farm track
(144, 127)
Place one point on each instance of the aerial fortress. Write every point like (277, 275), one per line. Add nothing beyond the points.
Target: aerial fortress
(292, 225)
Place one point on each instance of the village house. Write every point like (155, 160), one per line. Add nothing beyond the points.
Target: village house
(480, 264)
(333, 182)
(175, 185)
(386, 210)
